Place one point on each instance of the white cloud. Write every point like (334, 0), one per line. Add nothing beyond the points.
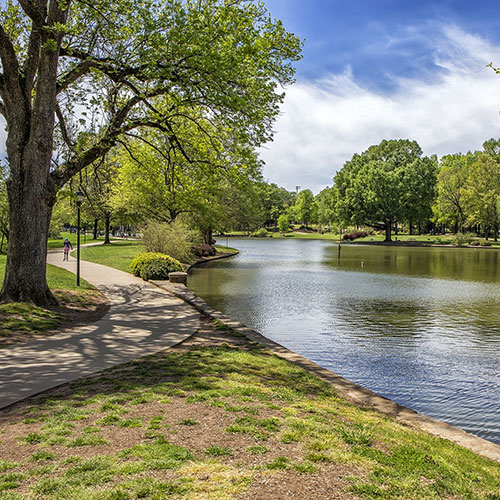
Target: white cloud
(323, 123)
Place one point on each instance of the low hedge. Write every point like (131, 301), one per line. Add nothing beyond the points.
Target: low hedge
(154, 265)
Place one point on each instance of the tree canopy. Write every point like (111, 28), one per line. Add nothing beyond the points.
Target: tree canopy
(110, 68)
(385, 184)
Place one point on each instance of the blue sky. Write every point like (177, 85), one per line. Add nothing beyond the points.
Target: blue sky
(381, 69)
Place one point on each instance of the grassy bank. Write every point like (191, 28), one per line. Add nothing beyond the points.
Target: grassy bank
(21, 321)
(220, 418)
(120, 253)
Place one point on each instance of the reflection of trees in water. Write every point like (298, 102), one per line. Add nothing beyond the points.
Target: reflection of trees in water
(475, 324)
(380, 317)
(473, 264)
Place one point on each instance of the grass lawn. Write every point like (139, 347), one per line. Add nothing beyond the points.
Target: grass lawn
(217, 418)
(18, 318)
(58, 242)
(118, 254)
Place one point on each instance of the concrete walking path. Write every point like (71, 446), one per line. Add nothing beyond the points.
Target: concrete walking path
(142, 320)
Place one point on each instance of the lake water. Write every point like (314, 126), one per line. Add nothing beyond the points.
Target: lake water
(420, 326)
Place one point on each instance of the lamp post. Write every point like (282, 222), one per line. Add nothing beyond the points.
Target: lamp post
(79, 199)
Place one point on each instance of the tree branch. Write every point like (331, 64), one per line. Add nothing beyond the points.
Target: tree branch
(35, 10)
(62, 126)
(9, 60)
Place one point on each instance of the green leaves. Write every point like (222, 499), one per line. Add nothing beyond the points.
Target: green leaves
(386, 183)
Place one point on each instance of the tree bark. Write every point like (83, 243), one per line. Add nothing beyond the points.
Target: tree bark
(31, 202)
(94, 232)
(207, 235)
(107, 223)
(388, 231)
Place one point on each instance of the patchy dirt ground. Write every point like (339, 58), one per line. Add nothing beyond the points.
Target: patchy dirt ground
(219, 417)
(34, 426)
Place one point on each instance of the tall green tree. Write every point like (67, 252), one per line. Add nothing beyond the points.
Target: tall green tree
(451, 184)
(109, 68)
(327, 201)
(482, 194)
(373, 188)
(306, 209)
(97, 182)
(158, 181)
(420, 191)
(275, 200)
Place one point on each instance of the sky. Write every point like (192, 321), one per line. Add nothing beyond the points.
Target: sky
(383, 69)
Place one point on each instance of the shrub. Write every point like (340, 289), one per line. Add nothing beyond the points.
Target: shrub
(474, 243)
(204, 250)
(260, 233)
(154, 266)
(174, 239)
(486, 243)
(463, 239)
(354, 235)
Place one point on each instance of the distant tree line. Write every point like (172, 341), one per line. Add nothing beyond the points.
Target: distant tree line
(389, 187)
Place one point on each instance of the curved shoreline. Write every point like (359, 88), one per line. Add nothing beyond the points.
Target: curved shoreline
(346, 388)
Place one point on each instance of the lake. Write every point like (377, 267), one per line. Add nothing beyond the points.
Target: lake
(420, 326)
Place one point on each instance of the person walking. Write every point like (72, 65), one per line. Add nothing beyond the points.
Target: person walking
(67, 247)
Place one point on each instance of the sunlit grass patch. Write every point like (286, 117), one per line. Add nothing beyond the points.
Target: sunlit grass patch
(305, 467)
(279, 463)
(258, 450)
(118, 255)
(225, 481)
(358, 434)
(218, 451)
(160, 454)
(86, 440)
(11, 480)
(7, 465)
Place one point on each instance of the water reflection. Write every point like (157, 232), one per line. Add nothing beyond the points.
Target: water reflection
(418, 325)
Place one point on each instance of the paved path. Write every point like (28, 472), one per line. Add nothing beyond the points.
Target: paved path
(142, 320)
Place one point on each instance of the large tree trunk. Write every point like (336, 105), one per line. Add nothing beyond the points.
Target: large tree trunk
(31, 202)
(30, 115)
(388, 231)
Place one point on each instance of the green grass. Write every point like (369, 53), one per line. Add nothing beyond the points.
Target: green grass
(306, 430)
(224, 249)
(118, 254)
(54, 243)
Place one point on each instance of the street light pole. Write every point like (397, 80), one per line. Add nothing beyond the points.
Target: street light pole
(79, 199)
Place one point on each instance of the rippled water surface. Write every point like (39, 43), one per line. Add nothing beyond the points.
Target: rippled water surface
(418, 325)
